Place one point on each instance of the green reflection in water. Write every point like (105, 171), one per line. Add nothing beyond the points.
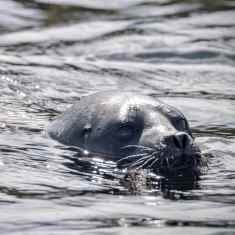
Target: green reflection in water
(56, 13)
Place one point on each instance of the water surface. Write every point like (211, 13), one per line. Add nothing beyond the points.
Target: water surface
(54, 51)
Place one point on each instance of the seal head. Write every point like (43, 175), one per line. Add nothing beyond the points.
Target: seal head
(130, 128)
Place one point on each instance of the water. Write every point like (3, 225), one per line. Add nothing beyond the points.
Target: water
(53, 51)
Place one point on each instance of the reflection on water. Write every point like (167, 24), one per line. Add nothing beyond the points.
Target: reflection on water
(54, 51)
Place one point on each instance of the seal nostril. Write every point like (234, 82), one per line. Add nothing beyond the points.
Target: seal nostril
(177, 142)
(186, 139)
(181, 140)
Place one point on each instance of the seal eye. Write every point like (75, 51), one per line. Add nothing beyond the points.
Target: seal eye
(125, 132)
(86, 130)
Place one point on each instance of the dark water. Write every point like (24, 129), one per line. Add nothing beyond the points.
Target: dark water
(53, 51)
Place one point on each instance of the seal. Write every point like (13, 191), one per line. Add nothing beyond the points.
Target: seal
(133, 129)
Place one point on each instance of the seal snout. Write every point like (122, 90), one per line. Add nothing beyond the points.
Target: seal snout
(179, 154)
(179, 140)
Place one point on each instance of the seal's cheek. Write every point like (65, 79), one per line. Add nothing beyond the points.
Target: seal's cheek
(152, 137)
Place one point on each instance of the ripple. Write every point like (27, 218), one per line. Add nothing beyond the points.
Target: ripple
(77, 32)
(97, 4)
(52, 52)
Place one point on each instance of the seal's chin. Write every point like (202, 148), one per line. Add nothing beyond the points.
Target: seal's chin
(165, 161)
(179, 166)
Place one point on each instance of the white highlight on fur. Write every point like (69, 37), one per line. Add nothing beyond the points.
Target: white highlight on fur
(161, 128)
(133, 103)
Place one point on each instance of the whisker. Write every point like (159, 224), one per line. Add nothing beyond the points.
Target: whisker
(161, 159)
(153, 163)
(132, 156)
(167, 162)
(161, 163)
(146, 162)
(137, 147)
(146, 159)
(139, 161)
